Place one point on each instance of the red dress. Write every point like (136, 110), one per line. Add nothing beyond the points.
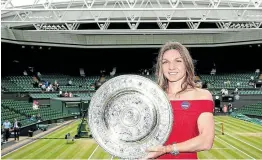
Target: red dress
(186, 113)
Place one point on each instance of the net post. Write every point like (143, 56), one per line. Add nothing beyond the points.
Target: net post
(222, 127)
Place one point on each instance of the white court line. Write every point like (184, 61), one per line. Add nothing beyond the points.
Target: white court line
(93, 152)
(35, 139)
(221, 148)
(243, 141)
(235, 148)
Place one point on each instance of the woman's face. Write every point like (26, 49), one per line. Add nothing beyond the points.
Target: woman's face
(173, 66)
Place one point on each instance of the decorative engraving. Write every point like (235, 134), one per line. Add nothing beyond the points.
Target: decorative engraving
(128, 114)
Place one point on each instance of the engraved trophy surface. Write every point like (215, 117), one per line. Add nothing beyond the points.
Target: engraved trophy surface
(128, 114)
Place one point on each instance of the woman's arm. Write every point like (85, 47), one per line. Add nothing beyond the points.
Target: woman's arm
(206, 128)
(202, 142)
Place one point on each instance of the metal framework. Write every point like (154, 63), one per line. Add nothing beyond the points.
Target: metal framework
(167, 15)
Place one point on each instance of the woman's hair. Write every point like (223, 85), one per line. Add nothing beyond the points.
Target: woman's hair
(188, 62)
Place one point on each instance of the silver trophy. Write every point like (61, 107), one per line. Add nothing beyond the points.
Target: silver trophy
(128, 114)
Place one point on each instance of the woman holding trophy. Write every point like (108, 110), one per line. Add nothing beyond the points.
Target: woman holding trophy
(193, 127)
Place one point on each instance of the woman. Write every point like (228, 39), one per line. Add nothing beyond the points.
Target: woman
(193, 127)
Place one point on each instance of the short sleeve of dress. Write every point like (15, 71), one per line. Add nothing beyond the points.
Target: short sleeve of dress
(207, 106)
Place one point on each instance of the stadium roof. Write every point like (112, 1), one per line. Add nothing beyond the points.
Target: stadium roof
(216, 14)
(135, 17)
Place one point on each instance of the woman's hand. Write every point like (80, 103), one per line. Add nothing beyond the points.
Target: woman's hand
(154, 152)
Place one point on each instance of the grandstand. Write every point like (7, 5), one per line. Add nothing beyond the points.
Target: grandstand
(71, 44)
(251, 109)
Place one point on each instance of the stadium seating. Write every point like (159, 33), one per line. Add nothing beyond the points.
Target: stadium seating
(81, 88)
(25, 83)
(9, 86)
(10, 114)
(252, 109)
(23, 109)
(228, 81)
(82, 84)
(54, 95)
(250, 92)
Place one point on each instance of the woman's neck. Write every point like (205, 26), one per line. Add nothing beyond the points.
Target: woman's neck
(174, 87)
